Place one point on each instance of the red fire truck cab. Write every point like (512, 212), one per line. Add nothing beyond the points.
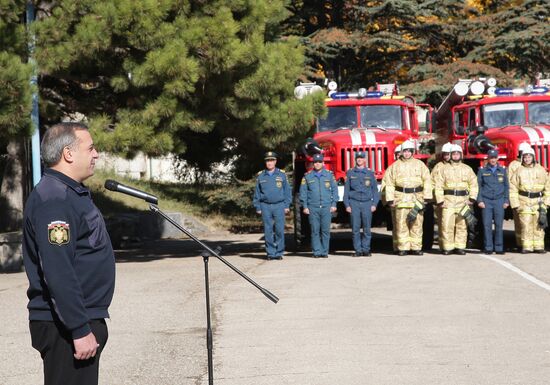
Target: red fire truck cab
(479, 116)
(372, 121)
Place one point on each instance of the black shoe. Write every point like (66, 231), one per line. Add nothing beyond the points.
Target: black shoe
(367, 254)
(323, 256)
(356, 254)
(270, 258)
(446, 252)
(500, 252)
(540, 251)
(416, 252)
(460, 252)
(525, 251)
(278, 257)
(488, 252)
(401, 253)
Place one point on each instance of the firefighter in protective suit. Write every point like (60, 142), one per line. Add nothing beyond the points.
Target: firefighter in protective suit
(397, 156)
(455, 191)
(512, 169)
(445, 158)
(407, 186)
(528, 195)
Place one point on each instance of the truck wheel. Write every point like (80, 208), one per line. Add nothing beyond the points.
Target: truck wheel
(302, 230)
(428, 228)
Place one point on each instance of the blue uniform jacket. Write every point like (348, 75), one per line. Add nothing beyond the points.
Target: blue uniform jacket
(272, 189)
(318, 191)
(67, 254)
(361, 186)
(493, 185)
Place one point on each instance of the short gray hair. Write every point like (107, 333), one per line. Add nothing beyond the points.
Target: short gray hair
(56, 138)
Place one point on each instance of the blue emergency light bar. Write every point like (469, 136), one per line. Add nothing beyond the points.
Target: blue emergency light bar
(521, 91)
(349, 95)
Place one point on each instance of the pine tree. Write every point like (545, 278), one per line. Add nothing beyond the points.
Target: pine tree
(207, 80)
(15, 91)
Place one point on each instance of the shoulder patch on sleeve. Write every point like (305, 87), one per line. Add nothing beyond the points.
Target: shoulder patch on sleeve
(58, 233)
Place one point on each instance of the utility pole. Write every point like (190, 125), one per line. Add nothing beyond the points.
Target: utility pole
(35, 141)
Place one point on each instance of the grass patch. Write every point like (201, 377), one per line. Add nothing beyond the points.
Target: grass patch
(223, 207)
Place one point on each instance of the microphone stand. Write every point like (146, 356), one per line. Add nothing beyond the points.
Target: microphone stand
(208, 252)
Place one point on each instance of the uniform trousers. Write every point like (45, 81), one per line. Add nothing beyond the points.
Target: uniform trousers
(319, 221)
(56, 348)
(438, 212)
(407, 236)
(454, 231)
(361, 217)
(532, 236)
(517, 228)
(493, 213)
(273, 217)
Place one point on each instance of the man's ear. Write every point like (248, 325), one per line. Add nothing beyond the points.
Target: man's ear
(67, 154)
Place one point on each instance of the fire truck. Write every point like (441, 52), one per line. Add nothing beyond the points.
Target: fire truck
(479, 116)
(374, 121)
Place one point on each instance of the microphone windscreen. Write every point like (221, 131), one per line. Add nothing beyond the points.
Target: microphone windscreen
(111, 184)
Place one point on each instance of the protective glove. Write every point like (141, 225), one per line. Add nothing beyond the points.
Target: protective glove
(543, 217)
(411, 217)
(467, 213)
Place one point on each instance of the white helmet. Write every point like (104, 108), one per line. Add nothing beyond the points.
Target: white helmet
(397, 149)
(528, 151)
(447, 147)
(408, 145)
(456, 148)
(524, 146)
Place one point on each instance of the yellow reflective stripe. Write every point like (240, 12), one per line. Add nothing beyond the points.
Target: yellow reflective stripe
(531, 187)
(405, 205)
(413, 179)
(527, 211)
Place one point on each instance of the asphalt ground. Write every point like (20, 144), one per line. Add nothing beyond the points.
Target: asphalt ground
(430, 319)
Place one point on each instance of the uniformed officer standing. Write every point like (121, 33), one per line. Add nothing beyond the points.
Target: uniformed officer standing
(69, 261)
(527, 194)
(493, 199)
(318, 197)
(512, 168)
(445, 158)
(455, 191)
(360, 199)
(407, 186)
(272, 199)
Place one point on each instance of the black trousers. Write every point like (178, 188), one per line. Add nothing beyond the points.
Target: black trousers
(55, 345)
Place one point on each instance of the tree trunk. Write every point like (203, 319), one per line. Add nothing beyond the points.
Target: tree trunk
(12, 188)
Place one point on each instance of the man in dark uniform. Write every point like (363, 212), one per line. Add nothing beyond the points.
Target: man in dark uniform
(68, 259)
(493, 199)
(360, 199)
(272, 199)
(318, 197)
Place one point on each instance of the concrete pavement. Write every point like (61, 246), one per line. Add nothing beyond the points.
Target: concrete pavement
(431, 319)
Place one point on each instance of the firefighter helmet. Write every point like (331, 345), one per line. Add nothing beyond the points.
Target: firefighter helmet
(447, 147)
(456, 148)
(397, 149)
(522, 147)
(408, 145)
(528, 151)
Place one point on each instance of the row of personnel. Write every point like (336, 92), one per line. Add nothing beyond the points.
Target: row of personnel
(407, 186)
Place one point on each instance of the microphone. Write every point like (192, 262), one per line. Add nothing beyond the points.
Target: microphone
(119, 187)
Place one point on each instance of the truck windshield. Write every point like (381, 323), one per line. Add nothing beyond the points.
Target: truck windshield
(338, 118)
(504, 114)
(387, 117)
(539, 112)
